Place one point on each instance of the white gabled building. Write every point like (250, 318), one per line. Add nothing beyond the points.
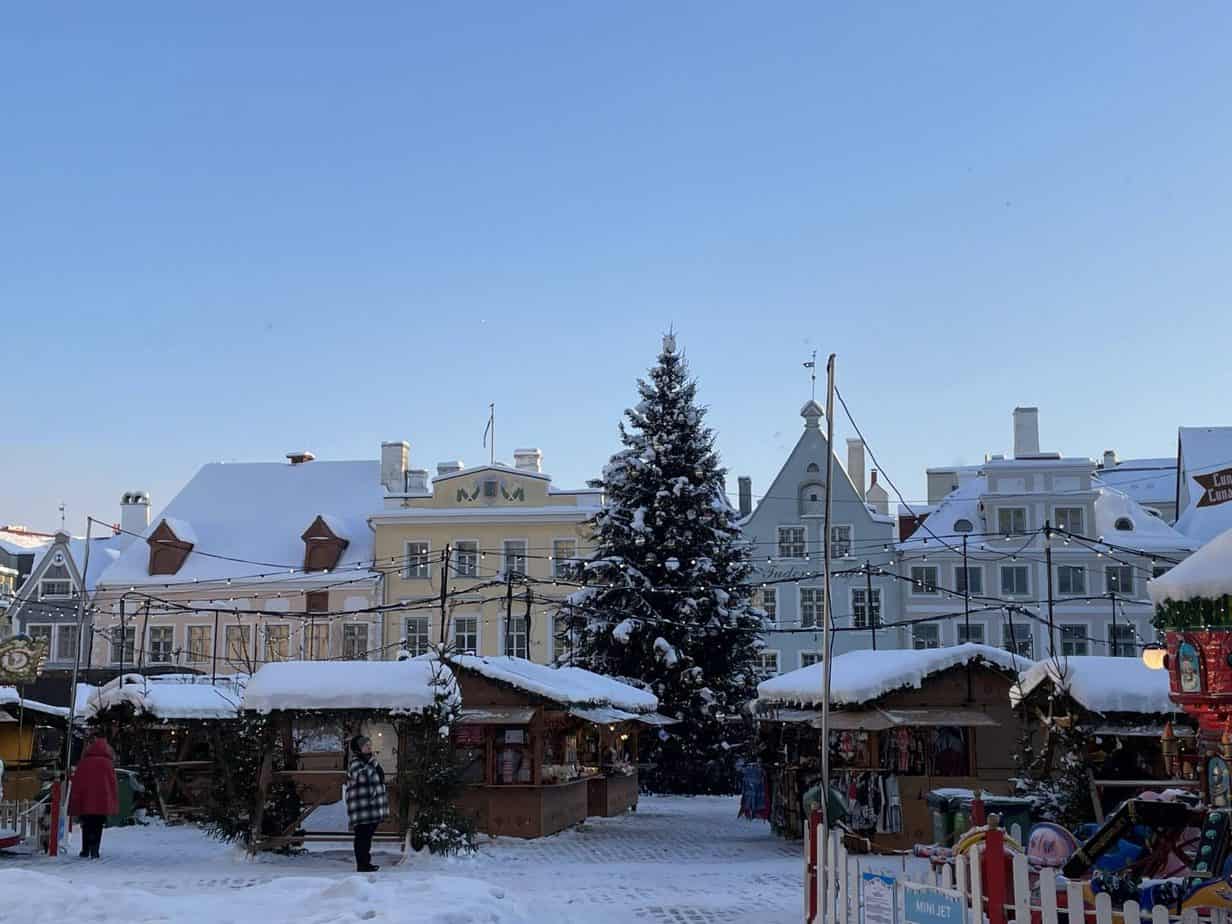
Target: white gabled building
(1105, 547)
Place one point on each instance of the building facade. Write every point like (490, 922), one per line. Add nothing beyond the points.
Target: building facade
(785, 533)
(511, 537)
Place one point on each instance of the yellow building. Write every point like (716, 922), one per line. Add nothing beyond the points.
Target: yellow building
(509, 534)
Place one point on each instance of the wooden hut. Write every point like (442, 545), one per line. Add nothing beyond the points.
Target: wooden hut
(31, 742)
(314, 708)
(168, 729)
(544, 747)
(1119, 708)
(902, 724)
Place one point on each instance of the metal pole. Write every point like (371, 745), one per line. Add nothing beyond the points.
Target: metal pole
(822, 854)
(1052, 632)
(868, 601)
(123, 631)
(1113, 644)
(214, 658)
(508, 610)
(967, 613)
(444, 595)
(72, 695)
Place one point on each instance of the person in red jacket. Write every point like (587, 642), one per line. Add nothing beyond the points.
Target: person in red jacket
(94, 795)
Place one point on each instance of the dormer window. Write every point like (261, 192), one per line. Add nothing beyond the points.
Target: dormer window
(168, 551)
(323, 546)
(963, 526)
(490, 488)
(1124, 524)
(813, 467)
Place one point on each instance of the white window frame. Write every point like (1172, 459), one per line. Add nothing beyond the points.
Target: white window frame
(248, 646)
(1122, 570)
(851, 541)
(562, 565)
(50, 636)
(426, 637)
(1012, 645)
(976, 627)
(961, 575)
(74, 651)
(929, 628)
(1078, 646)
(919, 586)
(1159, 570)
(478, 649)
(209, 636)
(1129, 643)
(1026, 571)
(809, 658)
(418, 564)
(44, 595)
(817, 596)
(1082, 519)
(792, 545)
(269, 655)
(861, 621)
(128, 634)
(473, 574)
(154, 652)
(352, 628)
(1011, 531)
(1069, 571)
(770, 594)
(310, 632)
(761, 662)
(524, 555)
(525, 633)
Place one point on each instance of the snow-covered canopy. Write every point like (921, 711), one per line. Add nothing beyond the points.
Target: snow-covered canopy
(1101, 684)
(863, 676)
(10, 697)
(1205, 573)
(384, 686)
(258, 511)
(569, 686)
(169, 697)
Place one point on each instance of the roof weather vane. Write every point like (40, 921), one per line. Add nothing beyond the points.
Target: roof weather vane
(811, 366)
(61, 516)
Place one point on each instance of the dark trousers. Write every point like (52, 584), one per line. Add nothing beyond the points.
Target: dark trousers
(363, 845)
(91, 834)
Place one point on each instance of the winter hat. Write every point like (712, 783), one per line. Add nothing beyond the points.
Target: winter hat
(357, 743)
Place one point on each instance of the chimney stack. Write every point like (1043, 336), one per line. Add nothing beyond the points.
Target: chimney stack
(417, 481)
(1110, 459)
(1026, 432)
(448, 468)
(300, 456)
(395, 455)
(855, 464)
(135, 512)
(528, 460)
(744, 487)
(876, 495)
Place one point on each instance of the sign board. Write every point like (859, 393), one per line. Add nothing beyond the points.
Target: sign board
(929, 905)
(1216, 488)
(21, 659)
(878, 898)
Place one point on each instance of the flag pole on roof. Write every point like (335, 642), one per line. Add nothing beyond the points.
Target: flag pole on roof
(826, 637)
(491, 428)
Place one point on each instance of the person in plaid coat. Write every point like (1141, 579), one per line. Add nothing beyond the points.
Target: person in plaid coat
(367, 801)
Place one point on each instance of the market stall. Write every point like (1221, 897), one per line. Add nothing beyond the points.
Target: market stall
(312, 709)
(544, 747)
(902, 723)
(31, 742)
(169, 729)
(1116, 709)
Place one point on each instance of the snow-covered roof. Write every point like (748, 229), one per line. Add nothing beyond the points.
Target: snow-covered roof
(168, 697)
(1148, 481)
(393, 686)
(1149, 532)
(863, 676)
(1101, 684)
(492, 467)
(569, 686)
(22, 542)
(960, 504)
(10, 697)
(1203, 451)
(258, 511)
(1205, 573)
(104, 553)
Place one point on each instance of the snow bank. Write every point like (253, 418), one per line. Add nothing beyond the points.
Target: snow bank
(10, 697)
(1205, 573)
(397, 686)
(569, 686)
(388, 896)
(175, 696)
(1101, 684)
(863, 676)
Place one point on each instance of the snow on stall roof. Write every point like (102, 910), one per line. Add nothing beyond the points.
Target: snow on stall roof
(1205, 573)
(570, 686)
(169, 696)
(1101, 684)
(257, 511)
(10, 697)
(1203, 450)
(863, 676)
(394, 686)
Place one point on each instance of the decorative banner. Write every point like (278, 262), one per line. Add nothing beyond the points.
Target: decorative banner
(1217, 487)
(21, 659)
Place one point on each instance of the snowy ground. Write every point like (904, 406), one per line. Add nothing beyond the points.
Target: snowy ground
(675, 861)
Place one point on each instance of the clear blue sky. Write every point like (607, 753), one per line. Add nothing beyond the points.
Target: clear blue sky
(230, 230)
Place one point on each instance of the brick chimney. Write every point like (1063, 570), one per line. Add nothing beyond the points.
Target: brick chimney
(744, 488)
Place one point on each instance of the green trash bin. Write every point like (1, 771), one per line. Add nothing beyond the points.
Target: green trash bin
(941, 805)
(127, 787)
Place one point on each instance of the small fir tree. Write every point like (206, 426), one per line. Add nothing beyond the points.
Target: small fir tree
(666, 598)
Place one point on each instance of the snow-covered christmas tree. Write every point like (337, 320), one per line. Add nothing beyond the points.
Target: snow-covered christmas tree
(666, 600)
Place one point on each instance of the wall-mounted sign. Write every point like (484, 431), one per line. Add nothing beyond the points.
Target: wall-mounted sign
(1216, 487)
(21, 659)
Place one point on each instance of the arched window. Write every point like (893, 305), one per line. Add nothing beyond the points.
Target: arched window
(963, 526)
(1124, 524)
(813, 467)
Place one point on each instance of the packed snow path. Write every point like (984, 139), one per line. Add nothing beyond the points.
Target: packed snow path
(675, 861)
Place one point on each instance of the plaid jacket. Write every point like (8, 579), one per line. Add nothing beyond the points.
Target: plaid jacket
(367, 801)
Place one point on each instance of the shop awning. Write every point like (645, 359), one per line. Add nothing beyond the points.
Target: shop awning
(603, 715)
(497, 715)
(964, 718)
(792, 715)
(857, 720)
(656, 718)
